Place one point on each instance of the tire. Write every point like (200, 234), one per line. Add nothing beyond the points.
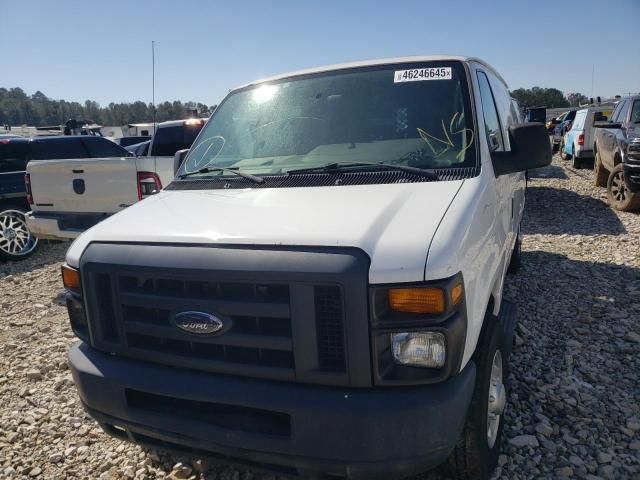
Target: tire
(563, 155)
(16, 241)
(619, 195)
(476, 454)
(575, 161)
(516, 255)
(600, 174)
(554, 146)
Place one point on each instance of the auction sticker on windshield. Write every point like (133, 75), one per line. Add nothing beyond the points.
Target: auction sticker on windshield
(419, 74)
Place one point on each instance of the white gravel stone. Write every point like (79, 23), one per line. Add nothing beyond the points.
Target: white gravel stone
(524, 441)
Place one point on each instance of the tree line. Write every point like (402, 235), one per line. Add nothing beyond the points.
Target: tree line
(18, 108)
(548, 97)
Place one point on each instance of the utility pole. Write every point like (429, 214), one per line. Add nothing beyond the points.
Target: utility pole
(153, 82)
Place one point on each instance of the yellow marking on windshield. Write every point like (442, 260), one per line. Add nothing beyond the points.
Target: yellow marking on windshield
(448, 143)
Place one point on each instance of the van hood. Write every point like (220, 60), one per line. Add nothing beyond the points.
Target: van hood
(394, 224)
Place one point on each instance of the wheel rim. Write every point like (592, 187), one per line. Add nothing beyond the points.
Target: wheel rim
(15, 237)
(497, 399)
(618, 188)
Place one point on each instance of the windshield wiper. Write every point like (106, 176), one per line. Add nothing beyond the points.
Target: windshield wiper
(248, 176)
(334, 167)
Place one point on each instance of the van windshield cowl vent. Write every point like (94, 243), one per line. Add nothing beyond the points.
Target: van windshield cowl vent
(321, 179)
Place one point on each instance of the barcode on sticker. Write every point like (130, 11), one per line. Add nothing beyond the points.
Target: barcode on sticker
(420, 74)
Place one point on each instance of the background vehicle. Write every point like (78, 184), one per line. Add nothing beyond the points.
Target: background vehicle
(563, 124)
(139, 149)
(128, 141)
(16, 242)
(72, 195)
(536, 114)
(551, 125)
(616, 161)
(578, 141)
(325, 273)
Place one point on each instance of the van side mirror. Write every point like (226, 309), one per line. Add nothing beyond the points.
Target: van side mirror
(178, 158)
(530, 148)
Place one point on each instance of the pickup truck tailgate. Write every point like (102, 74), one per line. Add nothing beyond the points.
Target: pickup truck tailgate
(100, 185)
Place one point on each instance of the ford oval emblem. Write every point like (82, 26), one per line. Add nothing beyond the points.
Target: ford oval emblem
(200, 323)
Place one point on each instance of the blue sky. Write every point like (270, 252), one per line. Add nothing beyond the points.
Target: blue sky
(79, 50)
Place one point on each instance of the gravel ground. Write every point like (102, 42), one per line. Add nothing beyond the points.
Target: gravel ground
(574, 406)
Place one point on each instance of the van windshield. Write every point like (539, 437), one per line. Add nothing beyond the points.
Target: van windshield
(407, 114)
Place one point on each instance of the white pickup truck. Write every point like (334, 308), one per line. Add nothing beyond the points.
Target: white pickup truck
(71, 195)
(319, 291)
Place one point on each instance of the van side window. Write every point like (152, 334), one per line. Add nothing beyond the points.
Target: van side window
(490, 114)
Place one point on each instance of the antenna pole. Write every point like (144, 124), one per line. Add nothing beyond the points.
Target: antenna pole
(153, 83)
(593, 72)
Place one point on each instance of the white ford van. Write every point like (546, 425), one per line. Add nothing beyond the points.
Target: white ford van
(319, 291)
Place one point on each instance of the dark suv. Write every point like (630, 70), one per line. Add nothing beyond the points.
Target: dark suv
(617, 154)
(16, 242)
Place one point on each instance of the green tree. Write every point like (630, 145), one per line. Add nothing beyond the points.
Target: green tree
(576, 99)
(540, 97)
(17, 108)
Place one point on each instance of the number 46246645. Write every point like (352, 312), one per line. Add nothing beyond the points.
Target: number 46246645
(419, 74)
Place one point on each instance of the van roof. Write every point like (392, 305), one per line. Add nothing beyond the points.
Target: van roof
(597, 108)
(381, 61)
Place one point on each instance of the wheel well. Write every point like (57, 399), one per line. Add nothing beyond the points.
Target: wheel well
(616, 159)
(489, 318)
(14, 202)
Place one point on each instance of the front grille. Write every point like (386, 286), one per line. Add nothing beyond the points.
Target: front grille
(232, 417)
(287, 314)
(330, 329)
(133, 315)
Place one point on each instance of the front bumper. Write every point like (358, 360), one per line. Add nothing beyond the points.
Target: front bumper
(61, 226)
(290, 428)
(632, 176)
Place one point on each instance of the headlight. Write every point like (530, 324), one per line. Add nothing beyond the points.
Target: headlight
(418, 330)
(419, 349)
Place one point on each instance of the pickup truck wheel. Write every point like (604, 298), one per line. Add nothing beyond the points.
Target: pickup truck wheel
(564, 155)
(600, 174)
(476, 454)
(16, 241)
(576, 162)
(516, 255)
(619, 195)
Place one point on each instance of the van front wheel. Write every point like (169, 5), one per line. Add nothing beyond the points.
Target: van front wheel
(476, 454)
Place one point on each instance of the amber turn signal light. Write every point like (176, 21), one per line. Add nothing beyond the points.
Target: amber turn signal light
(417, 300)
(456, 294)
(71, 279)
